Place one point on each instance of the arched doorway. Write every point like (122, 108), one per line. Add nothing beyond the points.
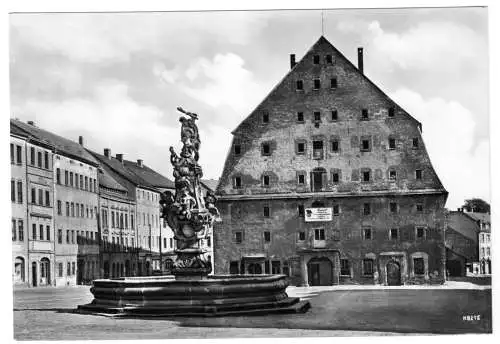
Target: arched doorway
(19, 270)
(44, 271)
(320, 271)
(318, 179)
(393, 273)
(254, 269)
(34, 274)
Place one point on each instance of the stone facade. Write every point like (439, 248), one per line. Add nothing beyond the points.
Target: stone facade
(327, 137)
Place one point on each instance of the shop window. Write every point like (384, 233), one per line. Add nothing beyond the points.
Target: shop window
(368, 267)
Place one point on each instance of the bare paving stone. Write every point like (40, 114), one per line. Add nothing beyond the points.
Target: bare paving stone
(48, 314)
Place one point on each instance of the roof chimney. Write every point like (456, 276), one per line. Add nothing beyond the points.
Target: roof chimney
(292, 61)
(80, 140)
(119, 157)
(107, 153)
(31, 123)
(139, 162)
(360, 59)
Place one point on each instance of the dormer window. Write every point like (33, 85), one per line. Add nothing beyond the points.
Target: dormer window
(316, 59)
(317, 84)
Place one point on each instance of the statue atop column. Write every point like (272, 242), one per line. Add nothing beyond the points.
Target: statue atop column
(188, 213)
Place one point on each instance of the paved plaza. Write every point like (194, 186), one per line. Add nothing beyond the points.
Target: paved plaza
(49, 314)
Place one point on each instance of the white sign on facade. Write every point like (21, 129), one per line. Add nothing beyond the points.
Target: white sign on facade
(318, 214)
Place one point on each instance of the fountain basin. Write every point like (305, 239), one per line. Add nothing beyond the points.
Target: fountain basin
(164, 296)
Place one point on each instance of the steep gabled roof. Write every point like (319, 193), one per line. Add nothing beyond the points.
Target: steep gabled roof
(483, 217)
(150, 176)
(106, 180)
(210, 183)
(60, 144)
(322, 40)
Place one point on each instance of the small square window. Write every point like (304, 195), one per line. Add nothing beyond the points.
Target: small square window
(335, 146)
(365, 145)
(392, 143)
(366, 209)
(364, 114)
(329, 59)
(299, 85)
(302, 236)
(301, 210)
(366, 176)
(300, 117)
(394, 234)
(317, 84)
(335, 115)
(267, 236)
(267, 211)
(392, 175)
(333, 83)
(415, 142)
(418, 174)
(335, 177)
(391, 112)
(266, 180)
(420, 207)
(301, 148)
(317, 116)
(393, 207)
(367, 234)
(301, 179)
(316, 59)
(265, 117)
(266, 149)
(237, 182)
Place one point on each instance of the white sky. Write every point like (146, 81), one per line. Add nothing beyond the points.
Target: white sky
(116, 79)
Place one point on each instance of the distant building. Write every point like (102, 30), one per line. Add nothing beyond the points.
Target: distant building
(329, 182)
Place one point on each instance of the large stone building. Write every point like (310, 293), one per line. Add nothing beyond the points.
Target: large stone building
(328, 181)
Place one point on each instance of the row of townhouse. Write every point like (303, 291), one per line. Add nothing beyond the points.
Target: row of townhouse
(78, 215)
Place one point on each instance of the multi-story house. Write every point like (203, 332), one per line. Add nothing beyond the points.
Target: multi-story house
(328, 181)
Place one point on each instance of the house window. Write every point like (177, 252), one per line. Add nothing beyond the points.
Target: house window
(418, 174)
(319, 234)
(59, 207)
(345, 269)
(299, 85)
(20, 228)
(391, 112)
(415, 142)
(393, 234)
(71, 178)
(329, 59)
(32, 156)
(393, 207)
(266, 148)
(334, 115)
(418, 266)
(60, 269)
(33, 195)
(300, 117)
(13, 190)
(368, 267)
(364, 114)
(41, 232)
(267, 236)
(47, 160)
(333, 83)
(392, 174)
(302, 236)
(237, 237)
(392, 143)
(66, 178)
(366, 176)
(420, 233)
(59, 236)
(301, 210)
(365, 145)
(336, 235)
(317, 84)
(47, 233)
(318, 149)
(40, 197)
(237, 182)
(39, 156)
(58, 176)
(47, 198)
(301, 179)
(335, 145)
(300, 147)
(317, 116)
(73, 270)
(14, 230)
(367, 234)
(19, 155)
(336, 210)
(81, 182)
(267, 211)
(335, 177)
(367, 209)
(265, 117)
(19, 192)
(67, 237)
(33, 231)
(420, 207)
(316, 59)
(12, 157)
